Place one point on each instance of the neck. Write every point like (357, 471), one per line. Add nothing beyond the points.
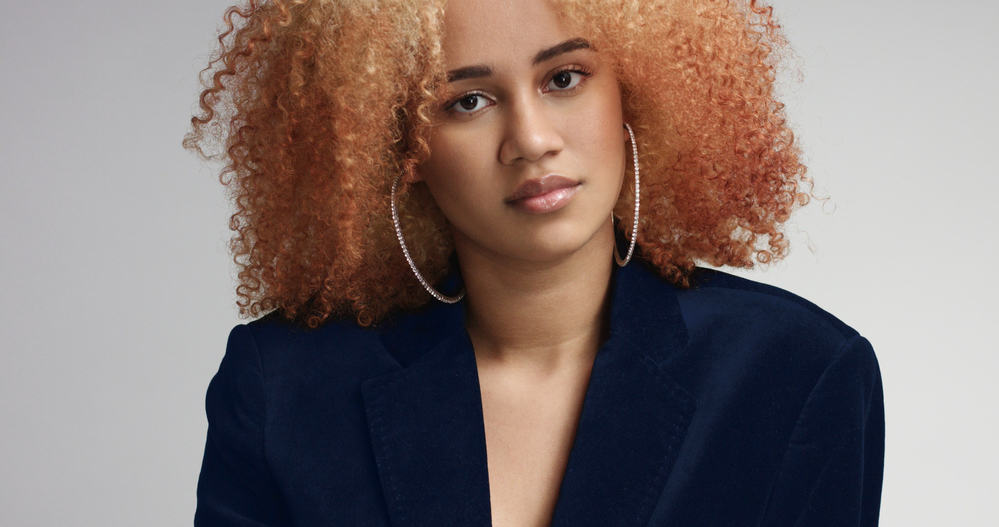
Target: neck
(541, 316)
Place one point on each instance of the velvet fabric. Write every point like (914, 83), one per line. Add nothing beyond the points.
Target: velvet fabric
(730, 403)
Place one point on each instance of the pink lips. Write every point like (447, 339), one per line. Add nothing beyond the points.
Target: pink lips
(548, 194)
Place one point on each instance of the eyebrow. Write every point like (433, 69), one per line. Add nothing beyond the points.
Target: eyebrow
(481, 70)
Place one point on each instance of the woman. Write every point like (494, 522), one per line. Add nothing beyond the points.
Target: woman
(503, 367)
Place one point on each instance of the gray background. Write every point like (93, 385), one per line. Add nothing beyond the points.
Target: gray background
(117, 288)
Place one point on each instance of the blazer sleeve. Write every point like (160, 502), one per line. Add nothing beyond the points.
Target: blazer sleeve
(235, 486)
(832, 469)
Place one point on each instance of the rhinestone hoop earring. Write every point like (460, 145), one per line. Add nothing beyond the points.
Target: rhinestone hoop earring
(621, 262)
(405, 251)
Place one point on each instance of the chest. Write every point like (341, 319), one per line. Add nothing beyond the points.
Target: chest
(529, 428)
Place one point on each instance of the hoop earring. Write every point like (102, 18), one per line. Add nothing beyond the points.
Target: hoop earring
(621, 262)
(405, 251)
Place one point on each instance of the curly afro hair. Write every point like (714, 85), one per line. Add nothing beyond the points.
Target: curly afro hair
(315, 106)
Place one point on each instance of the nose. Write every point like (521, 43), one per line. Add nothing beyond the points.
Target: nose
(531, 132)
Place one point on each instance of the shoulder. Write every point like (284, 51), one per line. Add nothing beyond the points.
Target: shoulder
(741, 317)
(286, 352)
(340, 349)
(274, 331)
(719, 297)
(765, 344)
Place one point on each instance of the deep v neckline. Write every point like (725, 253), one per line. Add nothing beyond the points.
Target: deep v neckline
(427, 427)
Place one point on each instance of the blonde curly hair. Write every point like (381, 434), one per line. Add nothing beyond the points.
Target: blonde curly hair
(315, 106)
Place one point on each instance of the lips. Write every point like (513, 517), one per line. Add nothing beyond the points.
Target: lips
(544, 195)
(539, 187)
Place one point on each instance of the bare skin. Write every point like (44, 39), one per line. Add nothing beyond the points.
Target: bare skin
(535, 342)
(537, 283)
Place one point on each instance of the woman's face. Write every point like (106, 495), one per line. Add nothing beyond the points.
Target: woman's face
(530, 109)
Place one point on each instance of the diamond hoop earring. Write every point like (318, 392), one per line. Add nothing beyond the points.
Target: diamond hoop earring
(621, 262)
(405, 251)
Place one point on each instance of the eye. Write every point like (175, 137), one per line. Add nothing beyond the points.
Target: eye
(568, 79)
(467, 103)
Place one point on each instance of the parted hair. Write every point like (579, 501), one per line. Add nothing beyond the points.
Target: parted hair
(313, 107)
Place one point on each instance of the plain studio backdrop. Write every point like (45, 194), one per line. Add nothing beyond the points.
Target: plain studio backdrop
(118, 290)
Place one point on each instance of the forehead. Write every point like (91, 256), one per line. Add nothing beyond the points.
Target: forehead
(498, 31)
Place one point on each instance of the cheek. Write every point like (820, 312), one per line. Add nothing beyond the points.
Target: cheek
(599, 127)
(450, 172)
(444, 162)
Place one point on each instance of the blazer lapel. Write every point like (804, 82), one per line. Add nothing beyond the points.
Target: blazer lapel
(429, 440)
(634, 415)
(428, 434)
(426, 422)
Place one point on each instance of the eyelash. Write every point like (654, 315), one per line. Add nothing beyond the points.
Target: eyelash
(581, 70)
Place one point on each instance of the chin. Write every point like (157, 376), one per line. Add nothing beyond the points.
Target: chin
(555, 242)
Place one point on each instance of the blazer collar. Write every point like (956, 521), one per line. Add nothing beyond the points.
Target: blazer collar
(427, 430)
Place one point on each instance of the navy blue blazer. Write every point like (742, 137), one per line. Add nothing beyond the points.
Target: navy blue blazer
(731, 403)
